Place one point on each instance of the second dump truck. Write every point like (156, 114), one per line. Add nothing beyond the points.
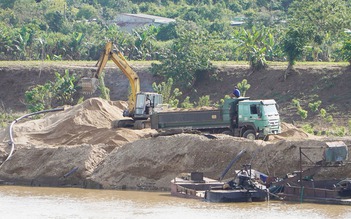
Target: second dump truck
(241, 117)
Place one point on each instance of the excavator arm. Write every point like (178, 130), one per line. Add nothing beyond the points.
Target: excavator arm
(121, 62)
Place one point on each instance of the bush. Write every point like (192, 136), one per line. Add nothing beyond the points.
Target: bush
(59, 92)
(204, 101)
(186, 103)
(166, 90)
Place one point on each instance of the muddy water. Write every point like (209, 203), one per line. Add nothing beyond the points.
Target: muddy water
(39, 202)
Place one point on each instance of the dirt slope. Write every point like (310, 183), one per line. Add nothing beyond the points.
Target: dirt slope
(327, 83)
(78, 147)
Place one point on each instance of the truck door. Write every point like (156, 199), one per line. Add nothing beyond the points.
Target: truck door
(254, 112)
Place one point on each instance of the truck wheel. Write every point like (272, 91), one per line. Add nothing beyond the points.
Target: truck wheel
(250, 134)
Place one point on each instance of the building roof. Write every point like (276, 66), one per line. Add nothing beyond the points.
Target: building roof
(156, 19)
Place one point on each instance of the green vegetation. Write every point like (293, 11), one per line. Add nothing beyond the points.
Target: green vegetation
(243, 86)
(204, 101)
(169, 96)
(346, 50)
(303, 113)
(51, 94)
(6, 117)
(105, 91)
(324, 125)
(271, 31)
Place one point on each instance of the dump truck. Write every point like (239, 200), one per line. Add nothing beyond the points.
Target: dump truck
(241, 117)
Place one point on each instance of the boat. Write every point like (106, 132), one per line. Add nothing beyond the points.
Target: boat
(247, 186)
(300, 186)
(192, 185)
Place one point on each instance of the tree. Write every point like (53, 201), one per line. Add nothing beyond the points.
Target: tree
(294, 42)
(189, 56)
(87, 12)
(346, 50)
(321, 17)
(254, 44)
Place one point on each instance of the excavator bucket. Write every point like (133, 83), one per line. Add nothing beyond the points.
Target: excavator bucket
(89, 85)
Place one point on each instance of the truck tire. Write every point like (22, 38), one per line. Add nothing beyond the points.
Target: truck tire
(250, 134)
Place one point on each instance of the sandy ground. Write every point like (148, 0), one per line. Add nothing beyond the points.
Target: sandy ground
(78, 147)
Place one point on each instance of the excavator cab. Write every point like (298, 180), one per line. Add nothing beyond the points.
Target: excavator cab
(145, 104)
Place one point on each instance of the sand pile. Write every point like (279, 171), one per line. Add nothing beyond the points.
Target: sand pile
(86, 123)
(78, 147)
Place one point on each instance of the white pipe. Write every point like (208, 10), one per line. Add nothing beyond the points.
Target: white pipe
(11, 142)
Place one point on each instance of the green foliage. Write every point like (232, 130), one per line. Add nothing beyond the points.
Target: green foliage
(188, 58)
(165, 88)
(64, 88)
(55, 21)
(59, 92)
(339, 131)
(308, 128)
(303, 113)
(39, 97)
(323, 113)
(186, 103)
(6, 117)
(105, 91)
(254, 43)
(221, 101)
(294, 42)
(243, 86)
(87, 12)
(346, 50)
(204, 101)
(315, 105)
(321, 17)
(329, 119)
(78, 30)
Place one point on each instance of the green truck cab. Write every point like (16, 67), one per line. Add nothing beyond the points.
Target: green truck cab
(252, 118)
(241, 117)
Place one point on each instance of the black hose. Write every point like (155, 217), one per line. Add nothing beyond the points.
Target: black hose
(11, 142)
(231, 164)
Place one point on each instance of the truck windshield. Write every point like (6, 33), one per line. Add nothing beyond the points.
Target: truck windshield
(270, 110)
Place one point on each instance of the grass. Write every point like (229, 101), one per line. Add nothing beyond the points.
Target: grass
(38, 64)
(26, 64)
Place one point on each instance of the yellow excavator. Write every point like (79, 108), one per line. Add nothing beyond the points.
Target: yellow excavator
(140, 104)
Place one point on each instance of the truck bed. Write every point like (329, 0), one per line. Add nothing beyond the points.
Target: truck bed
(206, 119)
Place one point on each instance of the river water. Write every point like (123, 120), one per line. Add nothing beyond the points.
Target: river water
(41, 202)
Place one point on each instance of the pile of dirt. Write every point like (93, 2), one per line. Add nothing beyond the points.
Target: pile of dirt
(78, 147)
(89, 122)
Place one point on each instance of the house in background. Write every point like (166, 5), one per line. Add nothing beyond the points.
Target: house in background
(128, 22)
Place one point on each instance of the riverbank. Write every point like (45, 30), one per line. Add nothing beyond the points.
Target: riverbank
(78, 147)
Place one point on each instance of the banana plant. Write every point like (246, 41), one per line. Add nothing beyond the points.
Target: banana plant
(254, 43)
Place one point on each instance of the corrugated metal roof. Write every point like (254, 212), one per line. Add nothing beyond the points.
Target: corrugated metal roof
(157, 19)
